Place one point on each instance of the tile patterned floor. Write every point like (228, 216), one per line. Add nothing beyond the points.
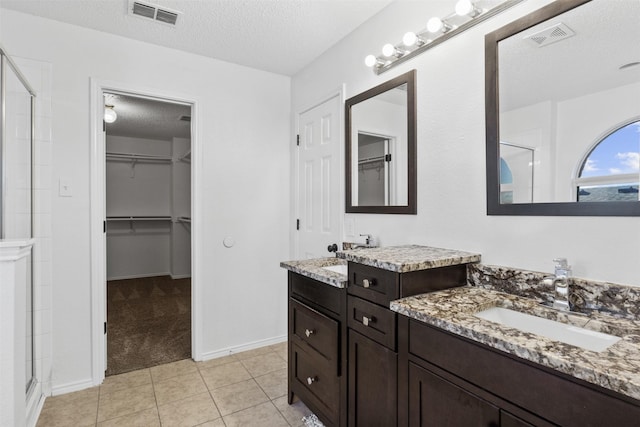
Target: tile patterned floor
(245, 389)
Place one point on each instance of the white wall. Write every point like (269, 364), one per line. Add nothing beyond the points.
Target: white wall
(451, 155)
(244, 117)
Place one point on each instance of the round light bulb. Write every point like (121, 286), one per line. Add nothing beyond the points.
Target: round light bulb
(434, 24)
(388, 49)
(370, 60)
(409, 39)
(110, 115)
(464, 7)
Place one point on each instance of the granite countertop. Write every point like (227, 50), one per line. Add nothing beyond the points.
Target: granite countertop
(402, 259)
(313, 268)
(616, 368)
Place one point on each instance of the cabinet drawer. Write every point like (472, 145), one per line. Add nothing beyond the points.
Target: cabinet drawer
(372, 284)
(317, 380)
(317, 330)
(373, 321)
(317, 293)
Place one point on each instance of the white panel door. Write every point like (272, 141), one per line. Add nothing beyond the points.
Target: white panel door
(319, 179)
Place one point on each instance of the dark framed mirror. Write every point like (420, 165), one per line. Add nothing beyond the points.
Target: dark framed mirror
(563, 111)
(380, 142)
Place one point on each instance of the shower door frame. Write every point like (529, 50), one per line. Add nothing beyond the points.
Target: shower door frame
(98, 210)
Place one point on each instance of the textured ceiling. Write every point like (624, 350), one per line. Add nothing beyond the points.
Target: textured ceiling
(147, 118)
(607, 36)
(280, 36)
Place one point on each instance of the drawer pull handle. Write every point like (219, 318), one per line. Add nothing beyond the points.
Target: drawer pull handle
(311, 380)
(366, 320)
(366, 283)
(309, 332)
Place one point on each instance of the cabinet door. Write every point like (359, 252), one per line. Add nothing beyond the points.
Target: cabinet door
(510, 420)
(373, 379)
(436, 402)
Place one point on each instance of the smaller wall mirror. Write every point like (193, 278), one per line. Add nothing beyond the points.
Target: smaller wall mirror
(381, 148)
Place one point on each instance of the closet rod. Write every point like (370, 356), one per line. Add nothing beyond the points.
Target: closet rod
(371, 160)
(138, 218)
(186, 219)
(146, 157)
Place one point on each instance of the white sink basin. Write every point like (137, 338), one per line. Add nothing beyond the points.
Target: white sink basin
(557, 331)
(340, 268)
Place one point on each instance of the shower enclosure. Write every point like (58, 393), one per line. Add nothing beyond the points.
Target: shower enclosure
(16, 236)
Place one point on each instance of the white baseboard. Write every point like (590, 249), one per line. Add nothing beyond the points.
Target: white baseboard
(34, 403)
(34, 410)
(71, 387)
(138, 276)
(244, 347)
(180, 276)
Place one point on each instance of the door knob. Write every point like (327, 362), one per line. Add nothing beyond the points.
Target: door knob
(309, 332)
(311, 380)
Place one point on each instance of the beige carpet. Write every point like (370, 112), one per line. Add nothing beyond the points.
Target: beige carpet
(149, 322)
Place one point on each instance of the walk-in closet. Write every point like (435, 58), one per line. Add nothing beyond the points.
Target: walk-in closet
(148, 225)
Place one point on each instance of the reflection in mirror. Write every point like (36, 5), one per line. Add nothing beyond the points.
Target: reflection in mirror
(563, 111)
(380, 148)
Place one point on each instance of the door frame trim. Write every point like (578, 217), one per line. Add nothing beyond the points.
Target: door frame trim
(98, 209)
(339, 92)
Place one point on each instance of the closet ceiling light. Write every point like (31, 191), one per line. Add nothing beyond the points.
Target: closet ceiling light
(110, 115)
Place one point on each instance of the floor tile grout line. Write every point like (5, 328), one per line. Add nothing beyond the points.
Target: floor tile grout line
(212, 399)
(155, 381)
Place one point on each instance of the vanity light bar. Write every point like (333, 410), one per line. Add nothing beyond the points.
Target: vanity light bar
(438, 30)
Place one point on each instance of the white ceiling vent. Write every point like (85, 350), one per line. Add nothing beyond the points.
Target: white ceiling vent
(151, 11)
(550, 35)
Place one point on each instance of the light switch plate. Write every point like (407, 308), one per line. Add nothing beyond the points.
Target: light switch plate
(64, 187)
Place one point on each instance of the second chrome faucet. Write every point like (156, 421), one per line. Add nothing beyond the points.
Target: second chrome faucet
(561, 280)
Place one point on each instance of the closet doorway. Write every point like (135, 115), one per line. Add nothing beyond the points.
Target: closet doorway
(148, 232)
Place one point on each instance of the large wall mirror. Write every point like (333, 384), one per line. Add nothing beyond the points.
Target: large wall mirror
(563, 111)
(381, 148)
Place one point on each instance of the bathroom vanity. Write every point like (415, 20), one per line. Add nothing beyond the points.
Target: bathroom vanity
(343, 338)
(400, 340)
(463, 369)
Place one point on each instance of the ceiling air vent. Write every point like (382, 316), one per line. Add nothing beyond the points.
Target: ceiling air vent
(151, 11)
(550, 35)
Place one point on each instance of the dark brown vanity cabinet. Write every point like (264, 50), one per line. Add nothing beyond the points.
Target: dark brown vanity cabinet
(452, 381)
(317, 348)
(373, 342)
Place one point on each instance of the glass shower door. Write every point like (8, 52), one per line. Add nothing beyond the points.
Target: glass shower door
(16, 194)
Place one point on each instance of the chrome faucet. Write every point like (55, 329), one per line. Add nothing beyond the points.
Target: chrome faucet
(560, 282)
(368, 243)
